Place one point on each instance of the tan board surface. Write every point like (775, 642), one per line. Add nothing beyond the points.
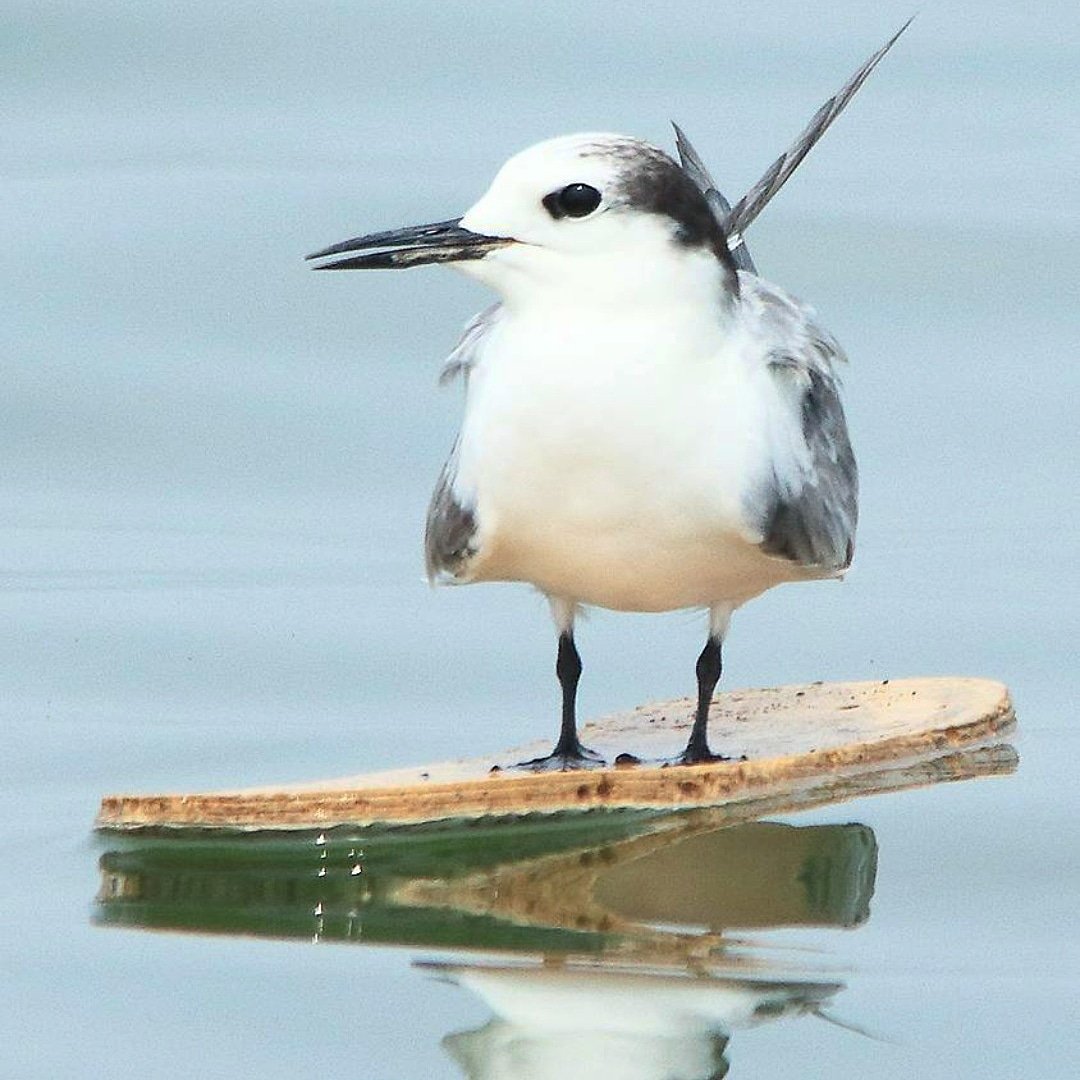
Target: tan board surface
(799, 742)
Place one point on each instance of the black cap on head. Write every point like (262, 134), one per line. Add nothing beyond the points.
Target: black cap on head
(653, 183)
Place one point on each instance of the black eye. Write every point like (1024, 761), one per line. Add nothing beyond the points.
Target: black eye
(575, 200)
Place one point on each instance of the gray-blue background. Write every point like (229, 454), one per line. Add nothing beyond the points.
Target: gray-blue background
(214, 466)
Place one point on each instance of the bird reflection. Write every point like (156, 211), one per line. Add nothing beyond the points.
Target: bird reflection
(590, 1023)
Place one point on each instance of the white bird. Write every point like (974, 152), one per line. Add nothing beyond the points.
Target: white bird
(648, 425)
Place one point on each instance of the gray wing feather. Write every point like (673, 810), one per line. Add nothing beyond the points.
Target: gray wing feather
(736, 220)
(755, 200)
(450, 534)
(694, 167)
(807, 506)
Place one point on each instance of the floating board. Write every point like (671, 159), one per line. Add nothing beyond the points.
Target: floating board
(640, 888)
(790, 746)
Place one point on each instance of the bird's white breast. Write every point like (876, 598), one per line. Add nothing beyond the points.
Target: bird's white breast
(608, 459)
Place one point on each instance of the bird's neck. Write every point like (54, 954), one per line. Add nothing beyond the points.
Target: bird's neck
(610, 338)
(692, 313)
(677, 295)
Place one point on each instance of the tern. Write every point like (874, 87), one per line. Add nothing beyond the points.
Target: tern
(649, 425)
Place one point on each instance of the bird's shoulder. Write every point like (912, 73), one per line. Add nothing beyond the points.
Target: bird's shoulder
(466, 353)
(789, 332)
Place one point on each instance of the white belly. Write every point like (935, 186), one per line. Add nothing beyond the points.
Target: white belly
(649, 572)
(614, 473)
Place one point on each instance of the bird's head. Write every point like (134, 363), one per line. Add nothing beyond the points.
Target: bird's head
(582, 216)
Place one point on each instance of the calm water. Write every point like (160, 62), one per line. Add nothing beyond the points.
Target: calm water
(216, 466)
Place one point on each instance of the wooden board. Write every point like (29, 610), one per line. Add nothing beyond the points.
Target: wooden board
(797, 741)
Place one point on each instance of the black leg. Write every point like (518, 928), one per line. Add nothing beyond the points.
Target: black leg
(568, 752)
(568, 670)
(709, 666)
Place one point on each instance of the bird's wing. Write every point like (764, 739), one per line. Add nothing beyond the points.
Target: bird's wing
(735, 220)
(450, 533)
(806, 506)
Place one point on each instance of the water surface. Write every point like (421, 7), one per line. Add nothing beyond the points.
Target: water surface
(216, 464)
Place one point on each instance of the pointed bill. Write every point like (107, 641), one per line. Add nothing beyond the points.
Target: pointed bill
(415, 245)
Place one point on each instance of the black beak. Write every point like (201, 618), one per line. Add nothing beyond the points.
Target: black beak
(445, 241)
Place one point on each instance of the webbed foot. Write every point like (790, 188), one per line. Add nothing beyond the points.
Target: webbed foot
(698, 754)
(565, 759)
